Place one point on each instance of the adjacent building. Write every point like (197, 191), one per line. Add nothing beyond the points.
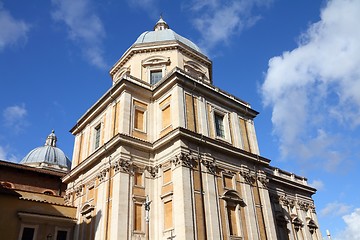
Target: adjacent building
(32, 196)
(165, 154)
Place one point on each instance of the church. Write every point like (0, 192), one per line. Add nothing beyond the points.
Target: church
(163, 154)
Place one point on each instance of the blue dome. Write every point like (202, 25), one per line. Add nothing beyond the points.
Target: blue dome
(47, 156)
(163, 33)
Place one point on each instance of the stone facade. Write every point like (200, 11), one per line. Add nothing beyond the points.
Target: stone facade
(183, 148)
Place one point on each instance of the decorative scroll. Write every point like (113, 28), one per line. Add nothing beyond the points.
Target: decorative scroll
(210, 165)
(184, 159)
(153, 170)
(123, 165)
(102, 174)
(249, 177)
(78, 190)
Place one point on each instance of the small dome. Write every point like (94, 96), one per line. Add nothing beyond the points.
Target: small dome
(47, 156)
(163, 33)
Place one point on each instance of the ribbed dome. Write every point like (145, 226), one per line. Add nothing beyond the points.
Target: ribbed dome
(47, 156)
(163, 33)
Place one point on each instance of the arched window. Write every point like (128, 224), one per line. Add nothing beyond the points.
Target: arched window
(48, 192)
(7, 185)
(233, 208)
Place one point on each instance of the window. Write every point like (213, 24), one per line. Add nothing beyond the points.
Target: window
(139, 119)
(28, 233)
(166, 117)
(61, 235)
(97, 136)
(138, 217)
(167, 176)
(219, 125)
(168, 221)
(138, 179)
(232, 219)
(155, 76)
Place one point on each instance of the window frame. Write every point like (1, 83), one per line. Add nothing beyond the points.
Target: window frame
(67, 230)
(97, 136)
(144, 111)
(153, 71)
(23, 226)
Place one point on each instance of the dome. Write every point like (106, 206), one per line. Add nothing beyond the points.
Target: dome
(47, 156)
(161, 33)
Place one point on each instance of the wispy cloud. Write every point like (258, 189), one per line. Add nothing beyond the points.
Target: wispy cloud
(218, 21)
(352, 229)
(314, 89)
(335, 209)
(318, 184)
(12, 31)
(14, 117)
(5, 155)
(85, 28)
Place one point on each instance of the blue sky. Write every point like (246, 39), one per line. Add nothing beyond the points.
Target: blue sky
(297, 62)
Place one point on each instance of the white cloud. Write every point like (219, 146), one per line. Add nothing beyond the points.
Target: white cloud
(318, 184)
(12, 31)
(218, 21)
(314, 89)
(14, 117)
(335, 209)
(352, 229)
(6, 156)
(84, 28)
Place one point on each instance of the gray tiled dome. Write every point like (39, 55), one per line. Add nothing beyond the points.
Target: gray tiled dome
(47, 156)
(163, 33)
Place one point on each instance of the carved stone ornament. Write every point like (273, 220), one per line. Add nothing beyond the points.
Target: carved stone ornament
(264, 181)
(124, 165)
(210, 165)
(285, 201)
(248, 176)
(102, 174)
(153, 170)
(78, 190)
(184, 159)
(297, 223)
(67, 198)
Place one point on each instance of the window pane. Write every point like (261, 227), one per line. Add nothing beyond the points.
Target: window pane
(61, 235)
(155, 76)
(219, 125)
(168, 215)
(166, 117)
(138, 218)
(28, 233)
(139, 119)
(97, 136)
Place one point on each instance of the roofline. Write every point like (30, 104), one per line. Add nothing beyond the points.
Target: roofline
(33, 169)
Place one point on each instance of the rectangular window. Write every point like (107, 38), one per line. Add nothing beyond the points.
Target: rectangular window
(219, 125)
(61, 235)
(231, 210)
(228, 182)
(139, 119)
(166, 117)
(138, 179)
(155, 76)
(97, 136)
(168, 221)
(167, 176)
(28, 233)
(138, 216)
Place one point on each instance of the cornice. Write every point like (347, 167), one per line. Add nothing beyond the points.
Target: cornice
(157, 47)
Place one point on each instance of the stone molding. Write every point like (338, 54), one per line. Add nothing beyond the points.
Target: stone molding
(102, 174)
(153, 170)
(210, 165)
